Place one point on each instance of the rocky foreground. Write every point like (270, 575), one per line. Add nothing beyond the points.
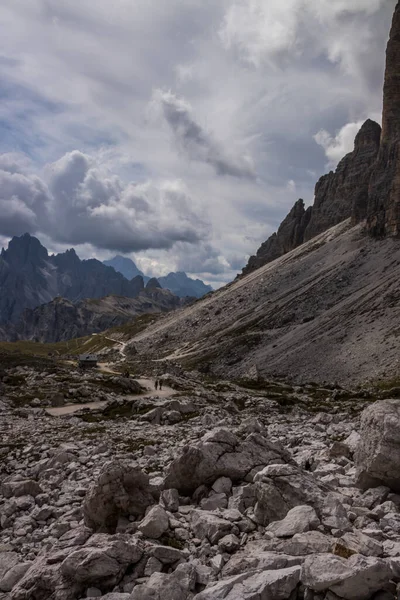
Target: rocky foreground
(217, 492)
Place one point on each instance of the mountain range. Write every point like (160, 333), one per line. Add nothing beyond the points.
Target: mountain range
(29, 277)
(320, 300)
(61, 319)
(178, 283)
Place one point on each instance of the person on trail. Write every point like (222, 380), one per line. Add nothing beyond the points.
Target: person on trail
(156, 384)
(160, 384)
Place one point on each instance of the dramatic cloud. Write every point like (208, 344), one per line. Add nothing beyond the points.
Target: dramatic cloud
(337, 147)
(183, 130)
(79, 204)
(194, 141)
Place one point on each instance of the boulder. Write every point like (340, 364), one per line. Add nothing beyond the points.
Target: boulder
(122, 489)
(298, 520)
(279, 488)
(8, 560)
(26, 487)
(377, 457)
(177, 586)
(254, 585)
(102, 561)
(14, 575)
(221, 454)
(207, 525)
(302, 544)
(155, 523)
(357, 578)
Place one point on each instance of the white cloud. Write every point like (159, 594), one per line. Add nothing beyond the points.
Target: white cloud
(249, 83)
(336, 147)
(195, 142)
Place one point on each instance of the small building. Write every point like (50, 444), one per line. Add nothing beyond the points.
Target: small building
(87, 361)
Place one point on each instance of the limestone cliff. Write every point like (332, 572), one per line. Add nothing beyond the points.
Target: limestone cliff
(289, 235)
(344, 193)
(338, 196)
(383, 216)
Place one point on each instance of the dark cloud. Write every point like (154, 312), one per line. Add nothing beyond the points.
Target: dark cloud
(80, 204)
(196, 142)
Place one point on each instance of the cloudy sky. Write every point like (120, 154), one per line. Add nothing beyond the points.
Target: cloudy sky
(178, 132)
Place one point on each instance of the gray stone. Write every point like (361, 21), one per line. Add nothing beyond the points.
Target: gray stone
(122, 489)
(298, 520)
(208, 525)
(155, 523)
(279, 488)
(221, 454)
(13, 576)
(169, 499)
(254, 585)
(103, 558)
(377, 457)
(354, 579)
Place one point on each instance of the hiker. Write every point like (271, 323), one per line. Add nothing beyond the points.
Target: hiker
(160, 384)
(156, 384)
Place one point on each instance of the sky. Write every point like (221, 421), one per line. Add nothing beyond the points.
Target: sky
(178, 133)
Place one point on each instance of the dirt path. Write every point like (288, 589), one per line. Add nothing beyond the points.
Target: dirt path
(122, 348)
(146, 382)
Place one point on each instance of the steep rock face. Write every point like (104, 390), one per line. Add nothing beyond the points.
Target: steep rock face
(289, 235)
(344, 193)
(30, 277)
(338, 196)
(383, 216)
(62, 320)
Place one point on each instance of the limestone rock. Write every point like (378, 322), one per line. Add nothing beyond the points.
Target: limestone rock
(121, 489)
(208, 525)
(14, 575)
(177, 586)
(354, 579)
(384, 190)
(282, 487)
(26, 487)
(155, 523)
(298, 520)
(289, 235)
(221, 454)
(103, 560)
(378, 454)
(268, 585)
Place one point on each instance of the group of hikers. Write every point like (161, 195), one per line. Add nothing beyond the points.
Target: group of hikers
(158, 384)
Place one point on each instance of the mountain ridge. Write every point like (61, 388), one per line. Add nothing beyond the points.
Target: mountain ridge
(177, 282)
(62, 320)
(29, 276)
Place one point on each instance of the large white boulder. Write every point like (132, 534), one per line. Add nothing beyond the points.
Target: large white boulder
(220, 453)
(268, 585)
(122, 489)
(155, 523)
(357, 578)
(298, 520)
(377, 457)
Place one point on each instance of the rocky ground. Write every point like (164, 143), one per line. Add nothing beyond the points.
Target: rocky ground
(218, 492)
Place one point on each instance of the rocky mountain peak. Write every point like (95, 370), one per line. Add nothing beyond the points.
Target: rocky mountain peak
(383, 214)
(369, 135)
(24, 250)
(391, 91)
(289, 235)
(153, 284)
